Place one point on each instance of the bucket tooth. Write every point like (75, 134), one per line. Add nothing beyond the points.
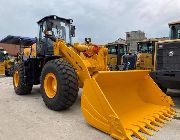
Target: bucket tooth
(173, 110)
(170, 112)
(138, 135)
(158, 119)
(154, 122)
(150, 126)
(166, 118)
(129, 135)
(145, 130)
(163, 117)
(141, 127)
(167, 114)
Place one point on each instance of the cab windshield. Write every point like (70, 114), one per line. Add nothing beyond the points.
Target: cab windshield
(175, 31)
(56, 29)
(145, 47)
(117, 50)
(112, 50)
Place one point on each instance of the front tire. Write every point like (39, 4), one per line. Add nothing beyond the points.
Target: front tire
(21, 86)
(59, 85)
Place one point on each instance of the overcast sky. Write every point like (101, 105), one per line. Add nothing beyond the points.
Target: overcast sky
(102, 20)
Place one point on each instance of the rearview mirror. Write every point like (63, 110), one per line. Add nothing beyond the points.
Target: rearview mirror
(88, 40)
(72, 30)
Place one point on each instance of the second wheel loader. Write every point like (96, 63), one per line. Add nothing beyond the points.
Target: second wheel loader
(121, 104)
(6, 63)
(145, 56)
(2, 64)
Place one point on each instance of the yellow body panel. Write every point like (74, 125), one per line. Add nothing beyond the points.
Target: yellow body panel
(120, 103)
(112, 59)
(2, 68)
(30, 51)
(144, 61)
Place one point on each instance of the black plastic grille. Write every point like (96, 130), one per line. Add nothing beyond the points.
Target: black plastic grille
(168, 56)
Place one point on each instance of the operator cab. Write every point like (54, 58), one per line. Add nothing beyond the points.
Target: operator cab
(52, 28)
(117, 49)
(174, 30)
(145, 46)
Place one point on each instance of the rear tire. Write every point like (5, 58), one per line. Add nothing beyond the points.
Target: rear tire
(66, 91)
(21, 87)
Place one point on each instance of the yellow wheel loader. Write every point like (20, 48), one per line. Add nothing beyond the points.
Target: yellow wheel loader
(2, 64)
(122, 104)
(145, 56)
(6, 63)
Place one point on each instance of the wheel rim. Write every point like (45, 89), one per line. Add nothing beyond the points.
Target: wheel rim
(50, 85)
(16, 78)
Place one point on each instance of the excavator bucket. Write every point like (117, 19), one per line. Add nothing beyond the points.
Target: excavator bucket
(125, 104)
(2, 68)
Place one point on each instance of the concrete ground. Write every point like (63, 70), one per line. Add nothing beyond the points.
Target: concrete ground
(27, 118)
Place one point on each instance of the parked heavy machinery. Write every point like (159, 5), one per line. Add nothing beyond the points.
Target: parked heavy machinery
(129, 61)
(2, 64)
(119, 57)
(115, 53)
(145, 55)
(167, 60)
(107, 102)
(6, 63)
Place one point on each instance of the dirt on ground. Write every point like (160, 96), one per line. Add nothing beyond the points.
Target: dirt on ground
(27, 118)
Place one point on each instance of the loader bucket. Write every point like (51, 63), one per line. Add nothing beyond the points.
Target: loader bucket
(125, 104)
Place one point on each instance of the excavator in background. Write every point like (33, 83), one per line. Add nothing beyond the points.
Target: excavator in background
(167, 60)
(123, 104)
(145, 54)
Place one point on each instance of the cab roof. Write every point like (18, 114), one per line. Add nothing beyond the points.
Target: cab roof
(18, 40)
(168, 41)
(148, 40)
(174, 23)
(53, 17)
